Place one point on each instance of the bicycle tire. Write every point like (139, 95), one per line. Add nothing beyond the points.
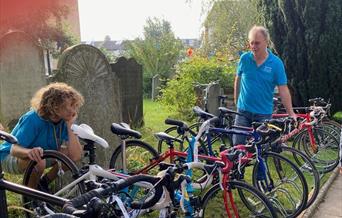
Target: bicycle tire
(309, 171)
(138, 155)
(332, 126)
(326, 158)
(214, 198)
(280, 197)
(70, 165)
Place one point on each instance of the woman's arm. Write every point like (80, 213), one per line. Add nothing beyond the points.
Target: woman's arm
(27, 153)
(74, 146)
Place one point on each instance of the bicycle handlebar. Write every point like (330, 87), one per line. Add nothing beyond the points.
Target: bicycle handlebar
(71, 206)
(176, 123)
(8, 137)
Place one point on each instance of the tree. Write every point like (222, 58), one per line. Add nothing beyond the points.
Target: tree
(157, 52)
(107, 43)
(307, 36)
(43, 19)
(227, 25)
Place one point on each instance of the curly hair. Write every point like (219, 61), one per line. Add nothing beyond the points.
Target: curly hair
(48, 99)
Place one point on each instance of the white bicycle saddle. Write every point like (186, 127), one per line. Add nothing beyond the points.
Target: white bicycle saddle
(86, 132)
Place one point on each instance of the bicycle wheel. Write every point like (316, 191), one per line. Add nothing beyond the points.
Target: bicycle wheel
(252, 204)
(283, 184)
(138, 155)
(324, 153)
(67, 171)
(307, 168)
(332, 127)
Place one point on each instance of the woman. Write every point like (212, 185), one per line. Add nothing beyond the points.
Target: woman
(47, 126)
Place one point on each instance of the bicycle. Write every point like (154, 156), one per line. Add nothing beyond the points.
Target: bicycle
(325, 122)
(202, 183)
(112, 189)
(240, 194)
(318, 144)
(77, 181)
(178, 131)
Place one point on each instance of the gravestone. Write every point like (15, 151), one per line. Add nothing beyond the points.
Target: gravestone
(22, 73)
(155, 86)
(213, 99)
(86, 69)
(131, 90)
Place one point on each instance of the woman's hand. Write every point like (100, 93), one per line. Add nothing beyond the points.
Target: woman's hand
(71, 120)
(35, 154)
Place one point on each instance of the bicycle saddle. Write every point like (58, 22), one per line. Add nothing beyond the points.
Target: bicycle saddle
(199, 112)
(125, 130)
(224, 110)
(84, 131)
(165, 137)
(8, 137)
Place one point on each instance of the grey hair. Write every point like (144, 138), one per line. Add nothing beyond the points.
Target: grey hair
(262, 30)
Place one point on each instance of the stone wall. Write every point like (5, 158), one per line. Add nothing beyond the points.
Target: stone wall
(22, 73)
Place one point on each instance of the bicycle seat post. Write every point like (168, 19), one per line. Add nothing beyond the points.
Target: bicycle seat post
(124, 164)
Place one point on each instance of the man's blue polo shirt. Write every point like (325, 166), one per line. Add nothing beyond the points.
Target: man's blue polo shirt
(258, 82)
(33, 131)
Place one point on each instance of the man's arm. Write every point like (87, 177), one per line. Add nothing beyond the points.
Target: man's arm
(285, 96)
(236, 89)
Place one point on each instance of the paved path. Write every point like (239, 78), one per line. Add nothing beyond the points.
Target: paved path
(331, 206)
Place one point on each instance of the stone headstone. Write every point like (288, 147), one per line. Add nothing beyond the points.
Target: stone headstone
(131, 89)
(22, 73)
(155, 86)
(86, 69)
(213, 99)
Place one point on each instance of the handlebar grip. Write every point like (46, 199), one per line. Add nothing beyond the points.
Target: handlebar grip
(175, 122)
(70, 206)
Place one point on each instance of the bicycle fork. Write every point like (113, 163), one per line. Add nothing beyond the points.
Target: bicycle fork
(228, 194)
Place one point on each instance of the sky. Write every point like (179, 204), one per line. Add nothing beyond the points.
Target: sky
(125, 19)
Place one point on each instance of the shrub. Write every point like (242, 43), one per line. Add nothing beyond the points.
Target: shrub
(338, 116)
(179, 94)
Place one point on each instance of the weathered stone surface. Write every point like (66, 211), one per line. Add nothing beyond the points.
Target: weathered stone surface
(86, 68)
(22, 73)
(155, 86)
(212, 98)
(131, 89)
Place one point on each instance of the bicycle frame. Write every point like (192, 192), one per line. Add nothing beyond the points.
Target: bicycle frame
(26, 191)
(172, 154)
(307, 118)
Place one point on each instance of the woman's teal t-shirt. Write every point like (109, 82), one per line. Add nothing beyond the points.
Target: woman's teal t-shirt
(34, 131)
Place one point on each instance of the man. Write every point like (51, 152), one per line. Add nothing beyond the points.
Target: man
(258, 73)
